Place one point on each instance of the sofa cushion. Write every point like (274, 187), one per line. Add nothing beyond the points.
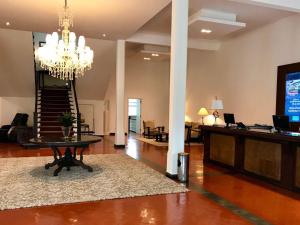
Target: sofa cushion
(149, 123)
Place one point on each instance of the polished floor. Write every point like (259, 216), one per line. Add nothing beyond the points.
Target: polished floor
(216, 197)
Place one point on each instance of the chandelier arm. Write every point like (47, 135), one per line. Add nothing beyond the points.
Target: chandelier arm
(63, 58)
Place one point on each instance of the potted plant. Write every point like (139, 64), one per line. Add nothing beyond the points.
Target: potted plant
(66, 120)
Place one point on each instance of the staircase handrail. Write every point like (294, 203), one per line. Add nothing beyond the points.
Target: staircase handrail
(78, 117)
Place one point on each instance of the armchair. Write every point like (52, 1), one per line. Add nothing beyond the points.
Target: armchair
(195, 132)
(150, 130)
(11, 132)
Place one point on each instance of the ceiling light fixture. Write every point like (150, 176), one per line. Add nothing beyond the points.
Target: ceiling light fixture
(155, 54)
(147, 58)
(7, 23)
(206, 31)
(62, 57)
(103, 35)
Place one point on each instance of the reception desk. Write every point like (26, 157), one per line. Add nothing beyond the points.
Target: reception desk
(271, 157)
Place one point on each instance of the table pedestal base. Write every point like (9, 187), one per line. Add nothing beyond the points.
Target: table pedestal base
(68, 160)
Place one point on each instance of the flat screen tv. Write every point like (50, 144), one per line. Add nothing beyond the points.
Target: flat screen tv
(292, 96)
(288, 94)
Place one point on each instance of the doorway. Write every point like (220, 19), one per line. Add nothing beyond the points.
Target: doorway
(134, 115)
(87, 117)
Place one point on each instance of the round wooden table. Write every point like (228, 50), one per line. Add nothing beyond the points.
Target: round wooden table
(72, 145)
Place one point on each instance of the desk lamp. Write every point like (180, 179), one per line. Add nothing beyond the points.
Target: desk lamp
(216, 105)
(202, 112)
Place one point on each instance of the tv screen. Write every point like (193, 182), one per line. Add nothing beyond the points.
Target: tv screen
(292, 97)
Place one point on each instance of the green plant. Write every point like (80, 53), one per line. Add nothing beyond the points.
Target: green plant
(66, 119)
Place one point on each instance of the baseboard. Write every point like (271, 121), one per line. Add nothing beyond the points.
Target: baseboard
(172, 176)
(114, 134)
(119, 146)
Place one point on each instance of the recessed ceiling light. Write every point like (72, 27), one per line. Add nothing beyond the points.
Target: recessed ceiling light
(103, 35)
(155, 54)
(7, 23)
(147, 58)
(59, 30)
(206, 31)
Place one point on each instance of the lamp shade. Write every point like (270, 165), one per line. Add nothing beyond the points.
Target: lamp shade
(203, 112)
(217, 104)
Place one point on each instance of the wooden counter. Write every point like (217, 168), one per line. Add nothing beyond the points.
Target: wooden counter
(272, 157)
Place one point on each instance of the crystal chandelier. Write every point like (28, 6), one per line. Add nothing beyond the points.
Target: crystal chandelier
(62, 57)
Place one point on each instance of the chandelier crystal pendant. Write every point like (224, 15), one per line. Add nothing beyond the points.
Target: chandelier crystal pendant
(62, 57)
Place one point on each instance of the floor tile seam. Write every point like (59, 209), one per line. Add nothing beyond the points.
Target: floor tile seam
(216, 199)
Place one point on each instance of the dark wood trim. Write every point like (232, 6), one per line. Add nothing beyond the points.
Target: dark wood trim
(114, 134)
(206, 140)
(239, 153)
(119, 146)
(172, 176)
(288, 160)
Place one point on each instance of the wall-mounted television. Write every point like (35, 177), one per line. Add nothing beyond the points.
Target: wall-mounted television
(288, 93)
(292, 97)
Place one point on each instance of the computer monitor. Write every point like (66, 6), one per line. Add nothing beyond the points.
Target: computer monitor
(281, 123)
(229, 119)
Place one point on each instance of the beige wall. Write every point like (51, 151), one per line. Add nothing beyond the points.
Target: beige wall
(148, 81)
(243, 73)
(12, 105)
(98, 106)
(16, 63)
(201, 87)
(247, 69)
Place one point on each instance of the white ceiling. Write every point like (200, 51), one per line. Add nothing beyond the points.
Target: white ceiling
(116, 18)
(254, 16)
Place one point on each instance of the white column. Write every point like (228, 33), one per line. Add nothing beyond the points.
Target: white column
(120, 83)
(178, 70)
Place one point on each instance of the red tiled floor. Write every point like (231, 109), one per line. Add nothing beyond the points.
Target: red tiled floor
(185, 208)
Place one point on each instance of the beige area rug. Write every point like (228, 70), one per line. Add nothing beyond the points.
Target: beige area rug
(25, 183)
(160, 144)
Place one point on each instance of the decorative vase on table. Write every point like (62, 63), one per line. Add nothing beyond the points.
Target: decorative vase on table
(66, 119)
(66, 131)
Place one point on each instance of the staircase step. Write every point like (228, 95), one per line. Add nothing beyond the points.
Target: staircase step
(57, 114)
(54, 101)
(48, 118)
(49, 123)
(58, 105)
(50, 128)
(46, 99)
(54, 92)
(48, 109)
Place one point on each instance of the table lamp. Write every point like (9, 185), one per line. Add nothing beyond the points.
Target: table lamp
(203, 112)
(216, 105)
